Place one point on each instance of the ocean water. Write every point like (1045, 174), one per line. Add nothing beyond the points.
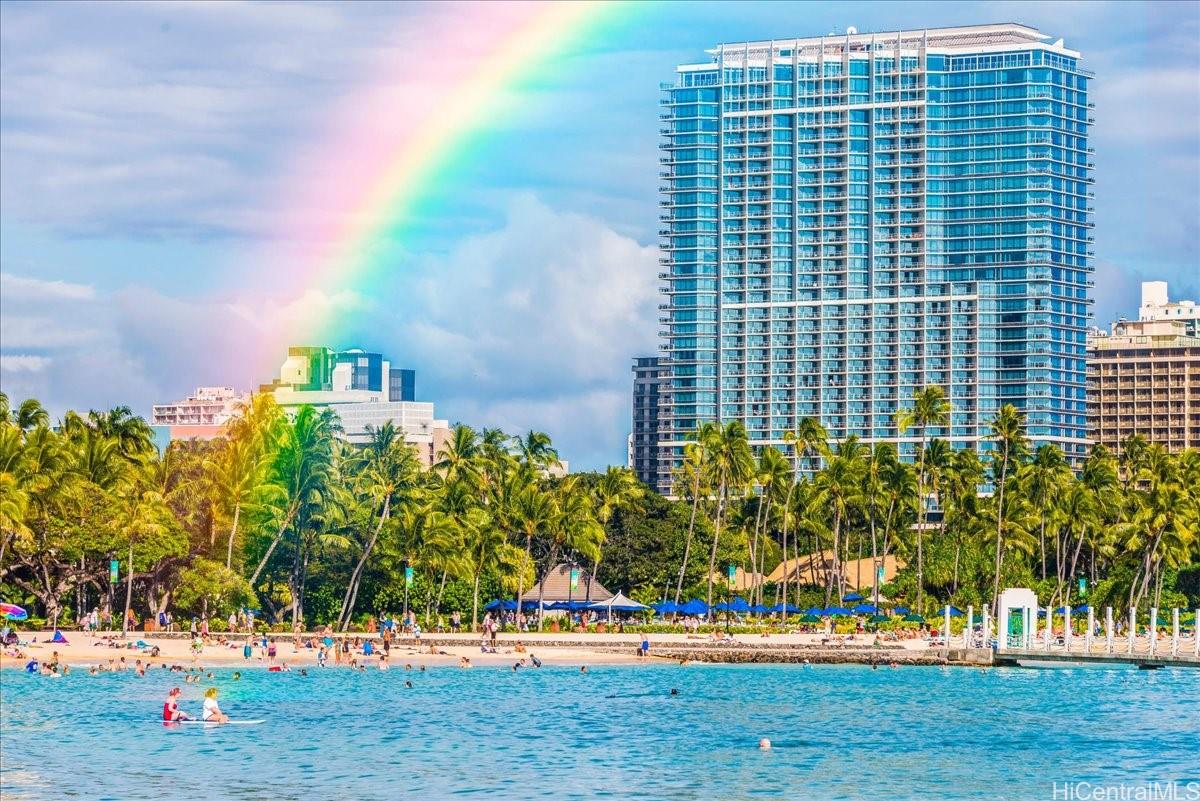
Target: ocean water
(616, 732)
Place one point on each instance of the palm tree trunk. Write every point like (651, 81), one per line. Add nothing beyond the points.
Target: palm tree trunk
(274, 542)
(921, 525)
(237, 511)
(832, 574)
(438, 603)
(475, 602)
(999, 534)
(128, 591)
(1042, 544)
(712, 558)
(687, 544)
(787, 519)
(551, 560)
(521, 580)
(351, 596)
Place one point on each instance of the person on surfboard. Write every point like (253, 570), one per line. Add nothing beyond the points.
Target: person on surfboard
(212, 712)
(171, 710)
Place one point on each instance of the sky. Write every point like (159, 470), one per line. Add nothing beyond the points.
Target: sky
(151, 154)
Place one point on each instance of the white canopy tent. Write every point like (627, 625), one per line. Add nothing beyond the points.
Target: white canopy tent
(620, 603)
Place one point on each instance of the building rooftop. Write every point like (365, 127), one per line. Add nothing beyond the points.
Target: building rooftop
(991, 37)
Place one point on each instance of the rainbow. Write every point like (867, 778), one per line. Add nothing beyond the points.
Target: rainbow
(458, 68)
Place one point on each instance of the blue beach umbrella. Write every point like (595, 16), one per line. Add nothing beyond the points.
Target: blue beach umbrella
(721, 607)
(955, 612)
(739, 605)
(666, 608)
(694, 607)
(854, 596)
(837, 611)
(791, 609)
(900, 610)
(1082, 609)
(865, 609)
(758, 609)
(507, 605)
(815, 611)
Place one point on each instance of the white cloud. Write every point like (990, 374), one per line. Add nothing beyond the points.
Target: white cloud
(22, 363)
(532, 325)
(19, 288)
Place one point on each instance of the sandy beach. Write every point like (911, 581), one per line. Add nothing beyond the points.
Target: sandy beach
(84, 649)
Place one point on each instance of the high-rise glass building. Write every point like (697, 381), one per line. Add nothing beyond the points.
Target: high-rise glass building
(847, 219)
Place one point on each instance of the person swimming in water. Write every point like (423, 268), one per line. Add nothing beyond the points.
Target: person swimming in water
(212, 711)
(171, 710)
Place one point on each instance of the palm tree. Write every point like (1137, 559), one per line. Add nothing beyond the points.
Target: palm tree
(1048, 475)
(1008, 432)
(536, 451)
(132, 434)
(690, 474)
(30, 414)
(774, 473)
(962, 494)
(732, 464)
(573, 527)
(938, 461)
(233, 474)
(930, 408)
(837, 488)
(458, 460)
(618, 490)
(300, 472)
(389, 470)
(532, 512)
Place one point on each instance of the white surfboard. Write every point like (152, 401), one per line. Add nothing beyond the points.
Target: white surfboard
(215, 723)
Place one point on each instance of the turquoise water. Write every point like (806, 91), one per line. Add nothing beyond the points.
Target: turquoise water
(616, 732)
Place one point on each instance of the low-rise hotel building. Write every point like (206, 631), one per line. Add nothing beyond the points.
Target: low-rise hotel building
(201, 415)
(1144, 378)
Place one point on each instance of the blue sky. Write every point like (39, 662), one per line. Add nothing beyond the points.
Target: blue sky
(143, 147)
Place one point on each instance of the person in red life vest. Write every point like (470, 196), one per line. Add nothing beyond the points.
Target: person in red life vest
(171, 710)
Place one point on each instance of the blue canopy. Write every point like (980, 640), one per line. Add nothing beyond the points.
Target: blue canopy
(1062, 610)
(791, 609)
(865, 609)
(758, 609)
(837, 610)
(510, 605)
(1082, 608)
(900, 610)
(666, 607)
(721, 607)
(854, 596)
(955, 612)
(569, 606)
(739, 605)
(815, 611)
(694, 607)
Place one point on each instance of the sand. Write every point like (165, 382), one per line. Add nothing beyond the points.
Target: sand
(83, 650)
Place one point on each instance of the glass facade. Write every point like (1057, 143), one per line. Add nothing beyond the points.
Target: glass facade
(849, 219)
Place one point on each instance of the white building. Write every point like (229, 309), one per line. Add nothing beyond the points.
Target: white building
(364, 391)
(202, 415)
(1156, 306)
